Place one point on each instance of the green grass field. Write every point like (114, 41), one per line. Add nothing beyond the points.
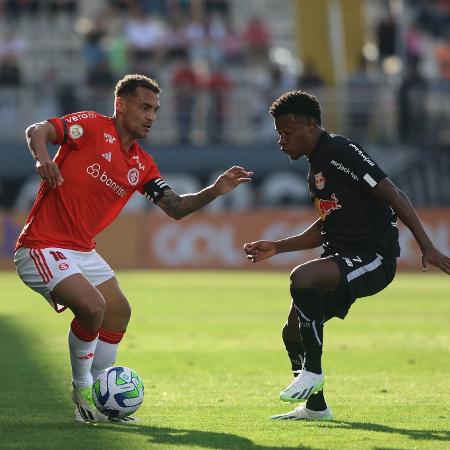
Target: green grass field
(208, 347)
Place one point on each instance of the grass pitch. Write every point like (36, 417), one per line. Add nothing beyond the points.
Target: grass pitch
(208, 347)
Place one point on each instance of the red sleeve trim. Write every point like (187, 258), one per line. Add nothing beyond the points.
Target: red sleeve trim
(61, 130)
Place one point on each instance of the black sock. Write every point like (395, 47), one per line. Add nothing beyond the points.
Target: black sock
(317, 402)
(295, 353)
(294, 347)
(309, 306)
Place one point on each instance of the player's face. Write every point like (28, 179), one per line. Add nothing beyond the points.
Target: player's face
(139, 112)
(296, 135)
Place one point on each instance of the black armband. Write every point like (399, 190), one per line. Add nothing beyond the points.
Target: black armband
(154, 189)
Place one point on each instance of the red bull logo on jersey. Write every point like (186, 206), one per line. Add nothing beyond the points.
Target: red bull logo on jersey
(325, 206)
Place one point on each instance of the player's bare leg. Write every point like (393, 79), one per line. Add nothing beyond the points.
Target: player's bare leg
(307, 282)
(115, 321)
(88, 306)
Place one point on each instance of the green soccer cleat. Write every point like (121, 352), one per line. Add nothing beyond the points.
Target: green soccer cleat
(87, 411)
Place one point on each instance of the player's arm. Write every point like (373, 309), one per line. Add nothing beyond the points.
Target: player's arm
(405, 211)
(178, 206)
(38, 135)
(310, 238)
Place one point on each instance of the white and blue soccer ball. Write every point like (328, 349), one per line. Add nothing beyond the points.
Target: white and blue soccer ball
(118, 392)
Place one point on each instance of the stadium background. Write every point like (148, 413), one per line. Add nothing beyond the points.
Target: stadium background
(381, 70)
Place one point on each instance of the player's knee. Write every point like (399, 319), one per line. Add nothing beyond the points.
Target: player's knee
(94, 308)
(299, 280)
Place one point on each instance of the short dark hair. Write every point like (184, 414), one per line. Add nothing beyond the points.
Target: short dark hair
(298, 103)
(129, 83)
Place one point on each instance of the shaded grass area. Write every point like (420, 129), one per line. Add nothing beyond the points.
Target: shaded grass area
(209, 350)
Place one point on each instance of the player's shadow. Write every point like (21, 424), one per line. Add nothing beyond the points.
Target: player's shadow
(206, 439)
(418, 435)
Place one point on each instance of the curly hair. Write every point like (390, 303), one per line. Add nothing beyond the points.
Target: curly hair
(298, 103)
(129, 83)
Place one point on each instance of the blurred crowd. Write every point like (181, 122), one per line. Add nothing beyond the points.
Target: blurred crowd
(196, 51)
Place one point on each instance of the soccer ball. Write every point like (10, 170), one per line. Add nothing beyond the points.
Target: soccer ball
(118, 392)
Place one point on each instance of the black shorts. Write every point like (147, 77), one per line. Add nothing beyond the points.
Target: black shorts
(363, 273)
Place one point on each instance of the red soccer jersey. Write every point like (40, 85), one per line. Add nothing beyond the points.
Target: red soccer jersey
(99, 178)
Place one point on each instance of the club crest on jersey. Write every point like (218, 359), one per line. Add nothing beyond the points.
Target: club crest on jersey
(63, 266)
(133, 176)
(76, 131)
(108, 138)
(320, 180)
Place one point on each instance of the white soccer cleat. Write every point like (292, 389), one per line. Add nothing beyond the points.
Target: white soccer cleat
(304, 385)
(86, 410)
(303, 413)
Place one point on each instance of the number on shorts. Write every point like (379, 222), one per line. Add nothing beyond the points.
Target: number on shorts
(57, 255)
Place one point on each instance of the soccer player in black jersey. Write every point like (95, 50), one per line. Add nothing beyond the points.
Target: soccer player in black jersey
(358, 207)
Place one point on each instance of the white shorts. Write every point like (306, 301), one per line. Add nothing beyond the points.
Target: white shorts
(42, 269)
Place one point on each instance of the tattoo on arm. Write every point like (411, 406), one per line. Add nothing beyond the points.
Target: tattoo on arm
(179, 206)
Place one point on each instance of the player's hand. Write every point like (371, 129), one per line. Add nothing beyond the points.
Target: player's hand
(434, 257)
(260, 250)
(231, 178)
(49, 171)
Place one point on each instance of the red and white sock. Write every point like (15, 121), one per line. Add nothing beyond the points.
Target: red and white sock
(106, 350)
(82, 345)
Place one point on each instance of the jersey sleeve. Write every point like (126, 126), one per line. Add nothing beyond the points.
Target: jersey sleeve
(153, 186)
(352, 163)
(74, 128)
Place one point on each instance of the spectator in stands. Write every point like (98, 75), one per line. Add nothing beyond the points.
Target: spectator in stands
(363, 90)
(145, 36)
(257, 38)
(232, 46)
(415, 44)
(411, 98)
(310, 77)
(12, 49)
(442, 54)
(387, 36)
(219, 86)
(186, 84)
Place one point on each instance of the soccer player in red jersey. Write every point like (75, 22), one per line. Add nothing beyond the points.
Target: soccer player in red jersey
(97, 168)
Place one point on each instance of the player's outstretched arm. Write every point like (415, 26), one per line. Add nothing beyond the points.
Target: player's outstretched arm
(179, 206)
(37, 136)
(405, 211)
(260, 250)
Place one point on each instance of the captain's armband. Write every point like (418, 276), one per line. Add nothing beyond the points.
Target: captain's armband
(154, 189)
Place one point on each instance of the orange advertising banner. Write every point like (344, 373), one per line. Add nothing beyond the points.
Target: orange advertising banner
(208, 240)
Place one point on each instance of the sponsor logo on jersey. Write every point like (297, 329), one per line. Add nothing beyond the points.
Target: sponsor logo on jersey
(141, 166)
(94, 171)
(320, 180)
(133, 176)
(361, 153)
(344, 169)
(109, 138)
(63, 266)
(325, 206)
(107, 156)
(76, 131)
(77, 117)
